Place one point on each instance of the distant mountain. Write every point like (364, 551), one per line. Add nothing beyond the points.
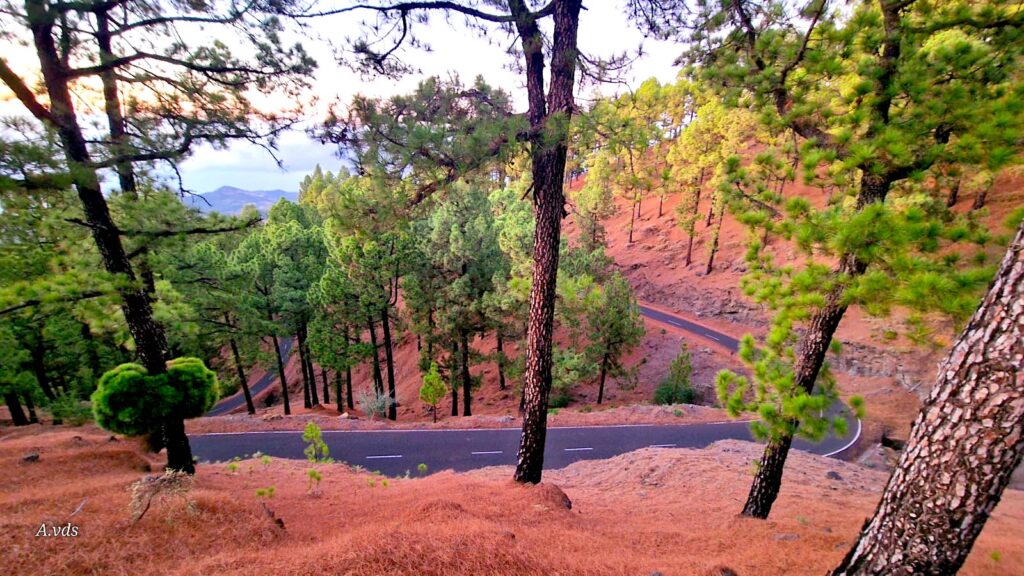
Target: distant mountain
(231, 200)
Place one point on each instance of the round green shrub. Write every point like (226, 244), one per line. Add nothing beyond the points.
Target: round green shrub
(129, 401)
(195, 384)
(125, 401)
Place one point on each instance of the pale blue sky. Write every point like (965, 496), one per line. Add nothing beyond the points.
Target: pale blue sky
(604, 30)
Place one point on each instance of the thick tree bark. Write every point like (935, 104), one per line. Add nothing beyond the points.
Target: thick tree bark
(242, 378)
(14, 406)
(963, 447)
(501, 361)
(378, 381)
(768, 478)
(150, 341)
(389, 359)
(281, 375)
(453, 360)
(467, 380)
(549, 116)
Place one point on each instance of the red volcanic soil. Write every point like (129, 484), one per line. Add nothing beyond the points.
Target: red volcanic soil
(667, 511)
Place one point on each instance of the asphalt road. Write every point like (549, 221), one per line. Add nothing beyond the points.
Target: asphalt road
(393, 452)
(703, 331)
(237, 400)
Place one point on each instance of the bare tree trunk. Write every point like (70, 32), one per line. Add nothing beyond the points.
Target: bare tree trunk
(954, 194)
(327, 386)
(390, 362)
(548, 153)
(966, 442)
(467, 380)
(307, 402)
(501, 361)
(31, 406)
(604, 373)
(453, 360)
(632, 219)
(241, 377)
(14, 406)
(714, 241)
(378, 380)
(979, 200)
(348, 375)
(38, 353)
(281, 375)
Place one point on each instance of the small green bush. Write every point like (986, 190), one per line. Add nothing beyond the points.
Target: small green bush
(67, 408)
(561, 399)
(676, 388)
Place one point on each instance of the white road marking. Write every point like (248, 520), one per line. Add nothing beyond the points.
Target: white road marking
(486, 452)
(848, 444)
(662, 446)
(712, 337)
(385, 456)
(577, 449)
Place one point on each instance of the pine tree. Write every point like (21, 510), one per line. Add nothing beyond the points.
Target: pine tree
(615, 328)
(880, 96)
(963, 448)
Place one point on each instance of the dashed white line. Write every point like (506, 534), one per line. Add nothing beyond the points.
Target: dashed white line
(577, 449)
(486, 452)
(384, 456)
(662, 446)
(712, 337)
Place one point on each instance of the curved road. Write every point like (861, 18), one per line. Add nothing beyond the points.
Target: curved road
(394, 452)
(237, 400)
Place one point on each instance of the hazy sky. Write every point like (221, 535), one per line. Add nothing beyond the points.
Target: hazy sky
(604, 31)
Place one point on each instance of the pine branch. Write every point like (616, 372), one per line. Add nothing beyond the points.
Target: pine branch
(24, 94)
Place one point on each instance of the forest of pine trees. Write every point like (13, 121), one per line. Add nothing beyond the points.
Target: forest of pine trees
(446, 227)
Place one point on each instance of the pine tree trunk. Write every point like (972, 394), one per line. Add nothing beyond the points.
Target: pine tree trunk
(38, 352)
(689, 246)
(92, 355)
(714, 242)
(241, 377)
(632, 219)
(14, 406)
(31, 406)
(711, 214)
(281, 375)
(453, 360)
(501, 362)
(954, 194)
(390, 361)
(768, 478)
(314, 397)
(965, 443)
(378, 380)
(307, 402)
(339, 398)
(150, 341)
(348, 375)
(661, 203)
(979, 200)
(548, 163)
(604, 373)
(467, 380)
(327, 386)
